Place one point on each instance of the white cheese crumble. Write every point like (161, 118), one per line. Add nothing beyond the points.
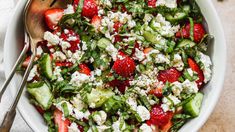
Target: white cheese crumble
(139, 55)
(189, 87)
(143, 113)
(75, 57)
(147, 18)
(145, 128)
(167, 3)
(69, 10)
(73, 128)
(176, 88)
(206, 61)
(77, 102)
(100, 117)
(178, 62)
(60, 56)
(174, 99)
(166, 104)
(77, 79)
(143, 81)
(33, 73)
(112, 51)
(57, 73)
(80, 115)
(102, 128)
(161, 58)
(98, 72)
(39, 50)
(51, 38)
(116, 126)
(132, 102)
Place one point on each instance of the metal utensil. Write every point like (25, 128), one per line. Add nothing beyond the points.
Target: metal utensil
(34, 29)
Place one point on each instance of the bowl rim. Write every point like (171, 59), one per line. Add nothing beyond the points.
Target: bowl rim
(197, 126)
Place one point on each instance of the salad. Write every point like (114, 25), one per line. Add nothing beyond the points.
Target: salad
(120, 66)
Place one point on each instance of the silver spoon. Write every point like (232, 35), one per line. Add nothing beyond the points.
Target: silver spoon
(34, 29)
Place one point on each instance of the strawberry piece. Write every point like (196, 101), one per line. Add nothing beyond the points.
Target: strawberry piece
(167, 127)
(26, 62)
(158, 117)
(123, 8)
(121, 85)
(96, 22)
(171, 75)
(40, 110)
(73, 38)
(198, 32)
(195, 67)
(64, 64)
(157, 92)
(117, 38)
(62, 124)
(84, 69)
(124, 65)
(90, 8)
(117, 26)
(152, 3)
(52, 17)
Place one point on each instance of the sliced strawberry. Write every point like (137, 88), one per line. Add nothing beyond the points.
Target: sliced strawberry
(171, 75)
(52, 17)
(73, 38)
(121, 85)
(90, 8)
(96, 22)
(60, 122)
(117, 26)
(152, 3)
(158, 117)
(124, 65)
(157, 92)
(167, 127)
(117, 38)
(64, 64)
(40, 110)
(195, 67)
(84, 69)
(198, 32)
(26, 62)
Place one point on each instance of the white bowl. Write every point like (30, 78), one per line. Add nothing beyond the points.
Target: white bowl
(14, 42)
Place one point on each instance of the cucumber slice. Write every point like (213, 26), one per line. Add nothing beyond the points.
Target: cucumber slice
(41, 93)
(46, 66)
(186, 43)
(194, 105)
(176, 17)
(103, 43)
(151, 37)
(186, 8)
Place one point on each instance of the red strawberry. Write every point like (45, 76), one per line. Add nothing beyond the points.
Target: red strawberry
(152, 3)
(171, 75)
(195, 67)
(198, 32)
(89, 9)
(52, 17)
(96, 22)
(117, 26)
(124, 65)
(64, 64)
(158, 117)
(157, 92)
(26, 62)
(84, 69)
(121, 85)
(73, 38)
(40, 110)
(123, 8)
(117, 38)
(60, 122)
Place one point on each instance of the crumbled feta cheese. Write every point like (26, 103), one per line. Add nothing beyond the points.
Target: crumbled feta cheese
(73, 128)
(75, 57)
(51, 38)
(112, 51)
(116, 126)
(65, 45)
(77, 102)
(167, 3)
(165, 104)
(174, 99)
(100, 117)
(147, 17)
(189, 87)
(106, 3)
(139, 55)
(132, 102)
(131, 24)
(178, 62)
(72, 38)
(39, 50)
(66, 31)
(60, 56)
(206, 61)
(143, 113)
(98, 72)
(84, 45)
(57, 73)
(190, 71)
(33, 73)
(160, 58)
(102, 128)
(143, 81)
(176, 88)
(69, 10)
(145, 128)
(77, 79)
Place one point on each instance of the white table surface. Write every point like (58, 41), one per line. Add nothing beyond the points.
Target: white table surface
(221, 120)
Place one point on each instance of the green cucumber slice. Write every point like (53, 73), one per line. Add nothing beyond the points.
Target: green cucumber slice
(46, 66)
(42, 94)
(186, 43)
(186, 8)
(103, 43)
(176, 17)
(193, 106)
(151, 37)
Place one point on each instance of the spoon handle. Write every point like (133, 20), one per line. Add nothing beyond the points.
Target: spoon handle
(10, 115)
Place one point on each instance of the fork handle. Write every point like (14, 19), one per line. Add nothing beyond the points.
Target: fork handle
(8, 121)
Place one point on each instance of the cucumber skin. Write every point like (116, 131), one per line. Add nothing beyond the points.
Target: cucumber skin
(185, 42)
(103, 43)
(150, 37)
(191, 108)
(46, 66)
(42, 94)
